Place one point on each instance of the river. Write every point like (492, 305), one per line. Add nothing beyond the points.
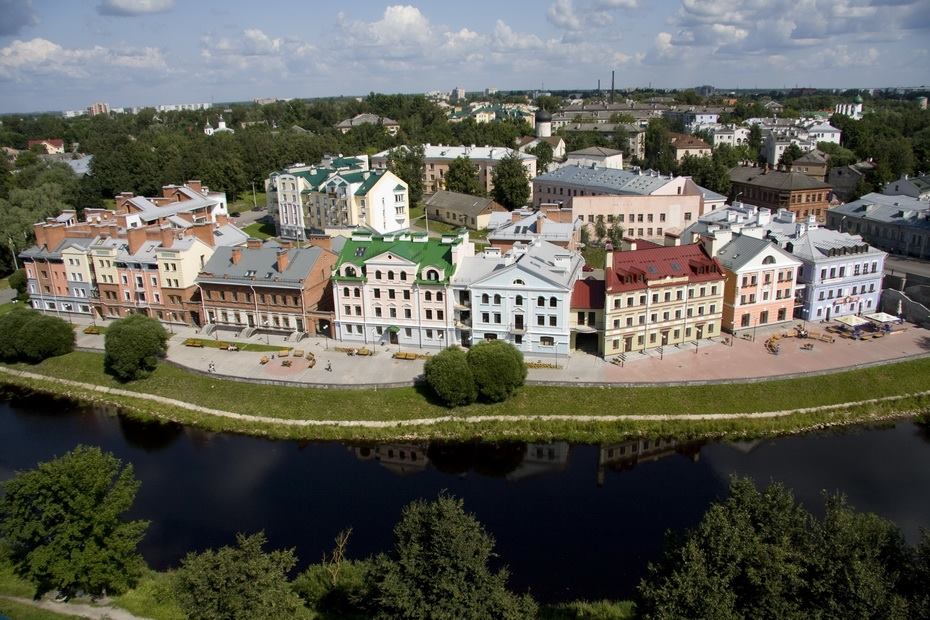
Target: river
(571, 521)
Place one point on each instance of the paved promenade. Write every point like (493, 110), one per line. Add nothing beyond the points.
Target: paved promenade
(712, 360)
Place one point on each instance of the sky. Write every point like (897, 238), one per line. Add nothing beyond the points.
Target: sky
(67, 54)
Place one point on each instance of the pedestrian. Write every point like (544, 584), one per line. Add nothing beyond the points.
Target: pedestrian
(329, 366)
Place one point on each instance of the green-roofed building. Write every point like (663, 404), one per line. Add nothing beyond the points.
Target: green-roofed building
(396, 288)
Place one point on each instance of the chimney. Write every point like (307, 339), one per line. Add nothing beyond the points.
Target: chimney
(204, 232)
(516, 215)
(322, 241)
(136, 237)
(671, 240)
(236, 256)
(608, 255)
(222, 219)
(38, 229)
(121, 200)
(253, 244)
(195, 185)
(715, 241)
(540, 221)
(167, 237)
(282, 260)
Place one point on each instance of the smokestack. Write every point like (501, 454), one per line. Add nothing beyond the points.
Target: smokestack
(598, 84)
(612, 85)
(136, 238)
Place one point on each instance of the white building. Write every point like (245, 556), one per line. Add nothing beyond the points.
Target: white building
(852, 110)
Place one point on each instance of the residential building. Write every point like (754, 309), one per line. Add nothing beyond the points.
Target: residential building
(899, 224)
(658, 296)
(557, 143)
(596, 157)
(521, 296)
(180, 206)
(396, 288)
(759, 280)
(634, 135)
(462, 209)
(268, 288)
(101, 107)
(562, 185)
(814, 163)
(824, 132)
(587, 312)
(776, 190)
(846, 181)
(390, 125)
(686, 144)
(915, 187)
(551, 224)
(438, 157)
(841, 273)
(694, 116)
(744, 219)
(52, 146)
(731, 135)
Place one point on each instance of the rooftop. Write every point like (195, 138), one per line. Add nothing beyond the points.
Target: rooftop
(259, 266)
(463, 203)
(607, 180)
(633, 270)
(775, 179)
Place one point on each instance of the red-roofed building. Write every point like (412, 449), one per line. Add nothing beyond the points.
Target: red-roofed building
(587, 314)
(661, 296)
(53, 146)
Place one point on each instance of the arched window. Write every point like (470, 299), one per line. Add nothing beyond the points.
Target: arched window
(519, 300)
(439, 296)
(345, 292)
(553, 302)
(390, 275)
(519, 282)
(540, 301)
(403, 275)
(357, 292)
(378, 275)
(768, 260)
(350, 272)
(433, 275)
(428, 296)
(485, 298)
(497, 299)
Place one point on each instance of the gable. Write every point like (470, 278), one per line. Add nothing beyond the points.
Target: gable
(390, 258)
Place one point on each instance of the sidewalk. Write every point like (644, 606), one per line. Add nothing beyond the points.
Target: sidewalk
(711, 360)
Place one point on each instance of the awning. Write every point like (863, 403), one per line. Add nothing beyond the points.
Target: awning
(393, 329)
(851, 320)
(882, 317)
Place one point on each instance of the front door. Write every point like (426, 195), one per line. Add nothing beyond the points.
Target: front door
(628, 344)
(300, 325)
(393, 338)
(251, 320)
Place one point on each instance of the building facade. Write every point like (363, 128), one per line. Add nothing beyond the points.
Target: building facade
(775, 190)
(899, 224)
(462, 209)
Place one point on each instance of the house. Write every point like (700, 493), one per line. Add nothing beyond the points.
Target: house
(268, 288)
(462, 209)
(586, 309)
(658, 296)
(390, 125)
(396, 288)
(915, 187)
(899, 224)
(635, 135)
(814, 163)
(731, 135)
(553, 225)
(846, 180)
(759, 280)
(180, 206)
(52, 146)
(596, 157)
(687, 144)
(776, 190)
(743, 218)
(521, 296)
(438, 157)
(529, 143)
(774, 107)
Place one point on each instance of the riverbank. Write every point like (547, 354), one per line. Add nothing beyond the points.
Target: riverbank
(536, 413)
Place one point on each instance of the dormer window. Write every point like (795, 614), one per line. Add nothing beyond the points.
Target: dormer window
(432, 275)
(350, 272)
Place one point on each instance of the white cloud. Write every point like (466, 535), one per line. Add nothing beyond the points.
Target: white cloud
(25, 60)
(562, 15)
(617, 4)
(131, 8)
(254, 49)
(16, 15)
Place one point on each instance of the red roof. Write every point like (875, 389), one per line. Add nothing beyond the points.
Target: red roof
(632, 270)
(588, 294)
(52, 141)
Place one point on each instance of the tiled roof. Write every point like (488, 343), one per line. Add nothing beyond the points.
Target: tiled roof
(259, 266)
(633, 269)
(687, 141)
(588, 294)
(597, 151)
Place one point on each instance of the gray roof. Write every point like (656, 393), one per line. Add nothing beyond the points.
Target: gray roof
(742, 249)
(259, 267)
(527, 229)
(465, 204)
(52, 253)
(813, 156)
(905, 210)
(775, 179)
(817, 243)
(229, 235)
(596, 151)
(539, 258)
(366, 118)
(607, 180)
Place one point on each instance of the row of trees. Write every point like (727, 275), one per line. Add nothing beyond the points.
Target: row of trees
(491, 369)
(30, 336)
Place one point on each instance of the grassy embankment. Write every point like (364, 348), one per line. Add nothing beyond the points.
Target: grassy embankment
(413, 403)
(259, 230)
(244, 202)
(242, 346)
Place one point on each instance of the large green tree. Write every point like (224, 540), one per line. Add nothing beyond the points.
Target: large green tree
(659, 152)
(544, 154)
(30, 336)
(439, 569)
(462, 177)
(133, 346)
(237, 583)
(450, 376)
(63, 524)
(511, 183)
(498, 369)
(791, 152)
(408, 163)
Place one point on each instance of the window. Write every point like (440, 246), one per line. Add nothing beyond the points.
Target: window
(541, 320)
(485, 317)
(407, 313)
(553, 320)
(428, 296)
(497, 300)
(540, 301)
(403, 275)
(429, 314)
(348, 310)
(345, 291)
(553, 302)
(547, 341)
(519, 300)
(485, 298)
(497, 318)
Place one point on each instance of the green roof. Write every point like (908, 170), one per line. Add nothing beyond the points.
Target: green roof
(400, 188)
(429, 253)
(368, 183)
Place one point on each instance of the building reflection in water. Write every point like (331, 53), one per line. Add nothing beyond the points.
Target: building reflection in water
(541, 458)
(626, 455)
(402, 459)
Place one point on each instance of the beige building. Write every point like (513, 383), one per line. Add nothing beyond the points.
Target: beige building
(641, 217)
(686, 144)
(462, 209)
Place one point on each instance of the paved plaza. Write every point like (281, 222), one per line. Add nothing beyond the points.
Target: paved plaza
(719, 359)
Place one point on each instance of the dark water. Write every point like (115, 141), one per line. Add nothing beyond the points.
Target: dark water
(575, 521)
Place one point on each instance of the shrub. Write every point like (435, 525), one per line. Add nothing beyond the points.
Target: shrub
(451, 378)
(29, 336)
(62, 526)
(18, 282)
(498, 369)
(133, 346)
(340, 595)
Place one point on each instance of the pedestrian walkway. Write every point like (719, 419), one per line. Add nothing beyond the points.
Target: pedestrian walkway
(95, 612)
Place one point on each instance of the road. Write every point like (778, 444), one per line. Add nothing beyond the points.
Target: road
(899, 264)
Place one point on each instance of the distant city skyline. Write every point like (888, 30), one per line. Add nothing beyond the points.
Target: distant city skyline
(61, 56)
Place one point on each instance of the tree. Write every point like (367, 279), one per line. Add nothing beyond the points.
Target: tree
(600, 228)
(659, 152)
(133, 346)
(408, 163)
(450, 376)
(585, 236)
(511, 184)
(755, 141)
(62, 524)
(544, 154)
(791, 152)
(439, 569)
(839, 156)
(462, 177)
(17, 281)
(30, 336)
(498, 369)
(616, 234)
(237, 583)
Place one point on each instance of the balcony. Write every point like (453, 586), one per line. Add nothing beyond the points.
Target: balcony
(463, 324)
(463, 304)
(518, 329)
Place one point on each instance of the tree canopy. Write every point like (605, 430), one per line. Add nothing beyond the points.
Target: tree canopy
(30, 336)
(462, 177)
(511, 183)
(408, 164)
(133, 346)
(498, 369)
(450, 376)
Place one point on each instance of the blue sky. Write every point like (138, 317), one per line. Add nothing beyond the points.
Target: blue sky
(57, 54)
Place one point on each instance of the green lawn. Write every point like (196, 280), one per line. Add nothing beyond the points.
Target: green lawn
(152, 598)
(18, 611)
(260, 230)
(8, 307)
(244, 202)
(243, 346)
(594, 256)
(584, 610)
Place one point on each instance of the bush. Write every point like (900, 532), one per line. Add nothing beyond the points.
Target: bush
(62, 526)
(133, 346)
(30, 336)
(339, 594)
(451, 378)
(18, 282)
(498, 369)
(241, 582)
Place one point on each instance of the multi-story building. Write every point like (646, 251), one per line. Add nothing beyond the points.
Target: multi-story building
(179, 206)
(745, 219)
(343, 194)
(841, 274)
(760, 280)
(390, 125)
(776, 190)
(660, 295)
(913, 186)
(268, 288)
(100, 107)
(852, 110)
(814, 163)
(685, 144)
(396, 288)
(731, 135)
(634, 135)
(899, 224)
(438, 157)
(596, 157)
(586, 320)
(522, 296)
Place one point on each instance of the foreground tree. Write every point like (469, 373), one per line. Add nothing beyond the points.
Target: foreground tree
(544, 155)
(30, 336)
(408, 163)
(439, 569)
(511, 183)
(463, 177)
(62, 524)
(18, 282)
(133, 346)
(498, 369)
(450, 376)
(237, 583)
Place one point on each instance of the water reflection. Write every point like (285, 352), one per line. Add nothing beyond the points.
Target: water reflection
(149, 436)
